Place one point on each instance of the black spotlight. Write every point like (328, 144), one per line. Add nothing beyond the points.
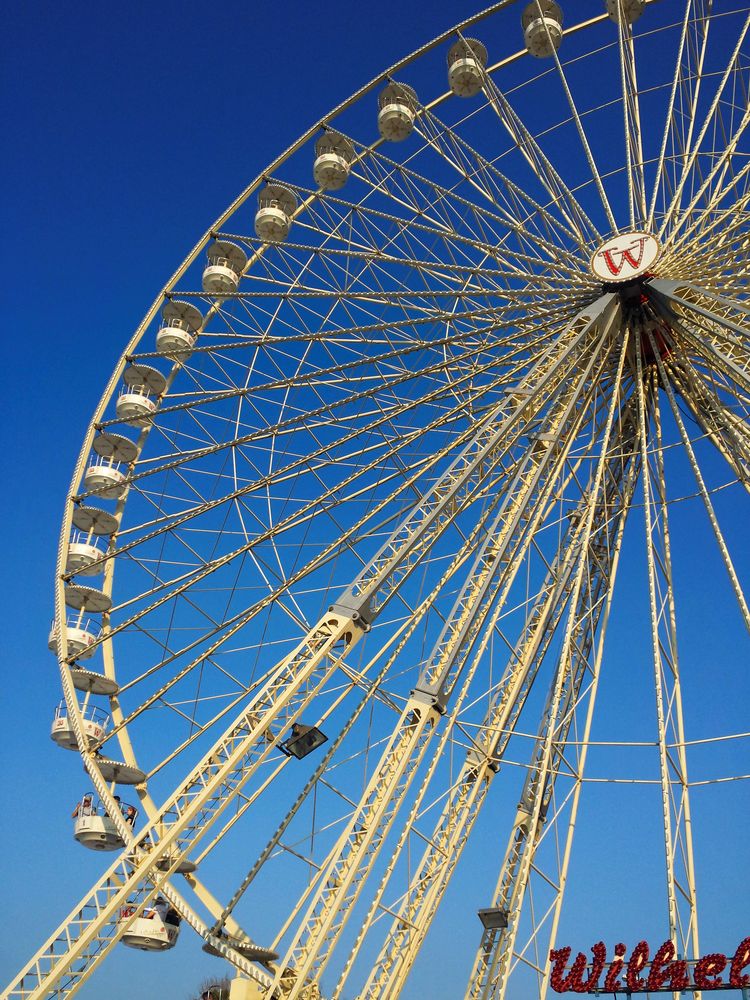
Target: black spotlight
(493, 918)
(302, 741)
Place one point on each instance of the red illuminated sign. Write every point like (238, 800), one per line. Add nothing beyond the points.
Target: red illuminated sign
(663, 972)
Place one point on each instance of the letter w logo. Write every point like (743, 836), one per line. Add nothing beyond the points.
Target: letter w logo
(633, 255)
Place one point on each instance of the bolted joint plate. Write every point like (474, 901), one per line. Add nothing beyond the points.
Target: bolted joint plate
(359, 611)
(431, 696)
(478, 760)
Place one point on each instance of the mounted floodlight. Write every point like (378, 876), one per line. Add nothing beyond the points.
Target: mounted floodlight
(493, 918)
(302, 741)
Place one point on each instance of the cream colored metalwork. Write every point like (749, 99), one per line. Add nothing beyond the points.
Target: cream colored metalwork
(384, 495)
(683, 919)
(354, 853)
(492, 964)
(482, 763)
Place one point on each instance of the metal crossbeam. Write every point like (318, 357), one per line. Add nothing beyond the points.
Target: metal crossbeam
(592, 580)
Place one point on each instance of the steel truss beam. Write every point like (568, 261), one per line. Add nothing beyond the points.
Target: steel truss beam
(715, 343)
(678, 844)
(91, 931)
(373, 687)
(342, 878)
(579, 659)
(469, 792)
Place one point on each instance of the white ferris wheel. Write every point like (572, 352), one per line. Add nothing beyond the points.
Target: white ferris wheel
(340, 549)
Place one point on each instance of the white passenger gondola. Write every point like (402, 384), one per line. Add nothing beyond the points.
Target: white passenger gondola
(95, 721)
(84, 556)
(226, 262)
(542, 27)
(216, 991)
(105, 475)
(137, 402)
(93, 682)
(89, 599)
(466, 61)
(80, 636)
(334, 154)
(93, 827)
(178, 333)
(398, 111)
(627, 10)
(156, 929)
(94, 520)
(80, 633)
(243, 946)
(276, 206)
(183, 867)
(105, 478)
(120, 773)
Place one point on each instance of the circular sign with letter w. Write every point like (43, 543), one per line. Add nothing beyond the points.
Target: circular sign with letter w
(625, 257)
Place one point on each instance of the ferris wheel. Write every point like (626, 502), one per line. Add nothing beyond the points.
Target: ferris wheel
(340, 549)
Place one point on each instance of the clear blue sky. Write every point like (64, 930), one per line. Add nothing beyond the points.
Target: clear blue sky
(128, 129)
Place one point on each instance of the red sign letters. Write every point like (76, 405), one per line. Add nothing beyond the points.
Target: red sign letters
(663, 972)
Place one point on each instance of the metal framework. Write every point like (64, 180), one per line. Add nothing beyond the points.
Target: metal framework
(379, 493)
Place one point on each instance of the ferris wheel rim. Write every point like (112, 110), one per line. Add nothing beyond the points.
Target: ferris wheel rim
(256, 183)
(166, 296)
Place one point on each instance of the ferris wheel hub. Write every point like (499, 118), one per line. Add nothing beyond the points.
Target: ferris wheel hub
(625, 257)
(447, 391)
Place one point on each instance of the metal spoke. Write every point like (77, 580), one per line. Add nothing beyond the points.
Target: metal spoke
(681, 894)
(358, 487)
